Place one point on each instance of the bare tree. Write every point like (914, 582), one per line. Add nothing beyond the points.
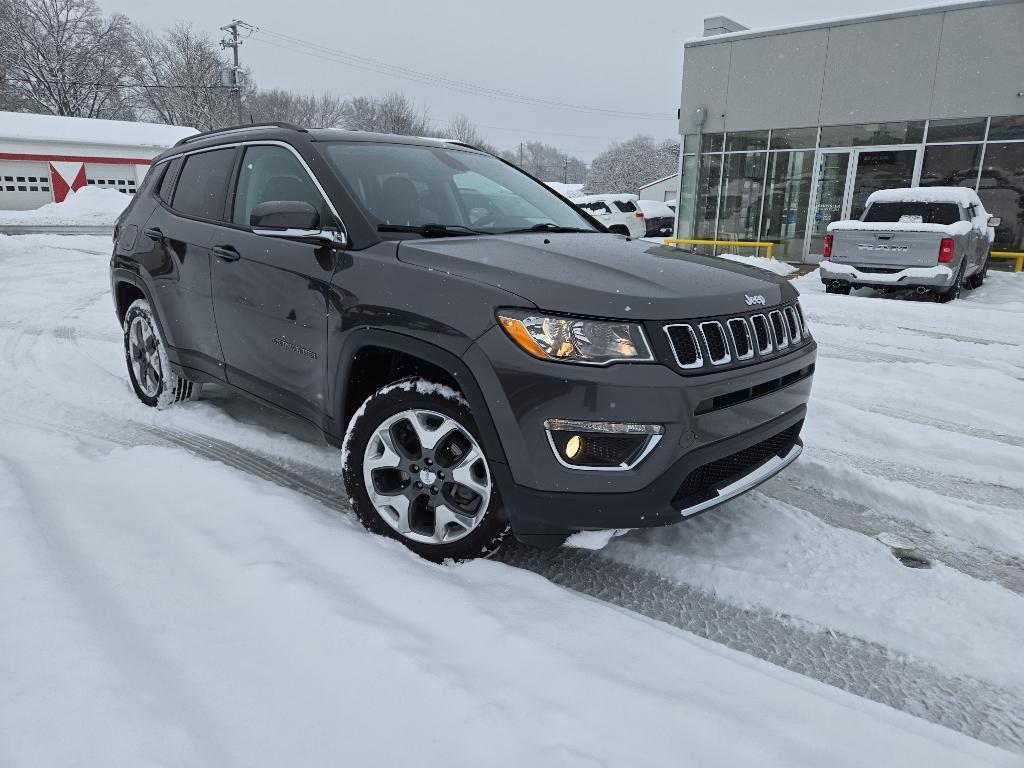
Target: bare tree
(391, 113)
(625, 167)
(178, 75)
(62, 57)
(324, 110)
(461, 128)
(547, 163)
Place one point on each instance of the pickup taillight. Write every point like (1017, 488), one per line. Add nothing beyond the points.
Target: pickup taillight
(947, 249)
(826, 249)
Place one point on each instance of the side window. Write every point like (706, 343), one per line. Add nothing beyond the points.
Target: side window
(202, 184)
(272, 173)
(625, 206)
(167, 183)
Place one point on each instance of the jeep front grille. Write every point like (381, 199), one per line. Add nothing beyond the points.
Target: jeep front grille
(704, 345)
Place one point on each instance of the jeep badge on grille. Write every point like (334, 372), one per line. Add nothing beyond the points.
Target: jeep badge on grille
(752, 300)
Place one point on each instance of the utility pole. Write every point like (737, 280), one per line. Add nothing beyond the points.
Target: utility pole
(234, 42)
(565, 169)
(521, 147)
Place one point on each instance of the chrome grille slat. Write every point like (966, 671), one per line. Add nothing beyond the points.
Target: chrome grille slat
(718, 334)
(747, 345)
(778, 323)
(794, 324)
(698, 361)
(761, 328)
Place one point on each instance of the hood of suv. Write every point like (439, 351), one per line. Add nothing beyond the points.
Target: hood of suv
(603, 275)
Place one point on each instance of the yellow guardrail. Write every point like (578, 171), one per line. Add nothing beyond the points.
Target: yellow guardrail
(1018, 255)
(731, 243)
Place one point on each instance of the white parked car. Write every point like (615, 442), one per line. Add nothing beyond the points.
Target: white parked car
(617, 212)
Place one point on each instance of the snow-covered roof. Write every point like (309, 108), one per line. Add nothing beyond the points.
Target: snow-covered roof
(960, 195)
(80, 130)
(659, 181)
(614, 198)
(654, 208)
(916, 10)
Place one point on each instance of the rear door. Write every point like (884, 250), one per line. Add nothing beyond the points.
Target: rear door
(271, 293)
(181, 232)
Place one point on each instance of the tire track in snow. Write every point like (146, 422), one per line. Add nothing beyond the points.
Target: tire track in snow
(974, 707)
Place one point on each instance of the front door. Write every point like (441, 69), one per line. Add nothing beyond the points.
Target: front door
(845, 178)
(270, 294)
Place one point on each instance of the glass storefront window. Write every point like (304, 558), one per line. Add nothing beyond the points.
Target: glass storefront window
(712, 142)
(794, 138)
(746, 141)
(960, 129)
(786, 201)
(1003, 128)
(1002, 192)
(873, 134)
(687, 199)
(706, 203)
(690, 142)
(951, 165)
(740, 209)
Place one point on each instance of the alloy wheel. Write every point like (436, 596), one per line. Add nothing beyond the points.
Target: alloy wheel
(426, 476)
(144, 355)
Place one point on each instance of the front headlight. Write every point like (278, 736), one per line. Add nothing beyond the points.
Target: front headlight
(575, 340)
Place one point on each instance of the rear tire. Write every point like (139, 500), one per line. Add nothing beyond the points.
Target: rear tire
(953, 292)
(843, 290)
(619, 230)
(149, 371)
(978, 278)
(415, 472)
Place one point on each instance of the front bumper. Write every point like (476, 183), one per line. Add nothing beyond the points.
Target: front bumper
(544, 519)
(939, 276)
(545, 497)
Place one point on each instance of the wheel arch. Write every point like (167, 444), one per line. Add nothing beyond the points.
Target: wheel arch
(371, 359)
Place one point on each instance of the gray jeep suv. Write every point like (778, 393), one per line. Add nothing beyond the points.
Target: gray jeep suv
(488, 358)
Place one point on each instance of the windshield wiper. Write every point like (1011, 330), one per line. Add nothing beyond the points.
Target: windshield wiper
(431, 230)
(547, 226)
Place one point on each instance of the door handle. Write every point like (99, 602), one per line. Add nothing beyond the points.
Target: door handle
(226, 253)
(153, 233)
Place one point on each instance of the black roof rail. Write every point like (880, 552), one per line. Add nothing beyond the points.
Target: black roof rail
(232, 128)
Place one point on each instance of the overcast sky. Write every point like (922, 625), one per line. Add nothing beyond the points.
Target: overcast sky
(622, 56)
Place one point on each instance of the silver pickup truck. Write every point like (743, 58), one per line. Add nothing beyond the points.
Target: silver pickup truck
(935, 240)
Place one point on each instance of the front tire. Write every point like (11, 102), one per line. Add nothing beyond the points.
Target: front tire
(149, 371)
(415, 472)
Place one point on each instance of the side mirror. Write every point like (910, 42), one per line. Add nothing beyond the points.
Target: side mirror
(994, 221)
(293, 219)
(284, 214)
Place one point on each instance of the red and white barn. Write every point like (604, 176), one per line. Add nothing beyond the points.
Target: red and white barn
(43, 157)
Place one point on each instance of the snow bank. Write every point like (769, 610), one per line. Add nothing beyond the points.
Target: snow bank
(772, 265)
(23, 126)
(88, 206)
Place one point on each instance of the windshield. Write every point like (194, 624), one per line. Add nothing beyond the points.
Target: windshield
(914, 213)
(406, 187)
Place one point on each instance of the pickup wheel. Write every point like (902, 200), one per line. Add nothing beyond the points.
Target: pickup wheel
(149, 371)
(978, 278)
(415, 471)
(953, 292)
(841, 289)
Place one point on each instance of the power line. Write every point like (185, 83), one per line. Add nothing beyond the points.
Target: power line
(309, 48)
(112, 85)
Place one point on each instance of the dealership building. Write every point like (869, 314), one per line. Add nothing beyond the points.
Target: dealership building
(786, 130)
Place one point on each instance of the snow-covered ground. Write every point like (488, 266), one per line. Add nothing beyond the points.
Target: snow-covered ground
(89, 206)
(184, 587)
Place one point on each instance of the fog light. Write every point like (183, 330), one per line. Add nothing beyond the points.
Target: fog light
(572, 448)
(601, 444)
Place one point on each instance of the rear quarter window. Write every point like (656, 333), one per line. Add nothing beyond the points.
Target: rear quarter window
(202, 184)
(625, 206)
